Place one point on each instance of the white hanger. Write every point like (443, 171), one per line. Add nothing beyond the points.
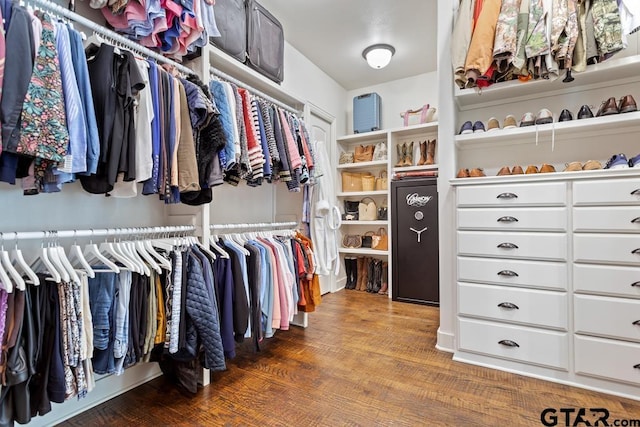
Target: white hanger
(203, 248)
(77, 259)
(18, 260)
(109, 250)
(125, 251)
(8, 266)
(213, 241)
(93, 255)
(66, 264)
(162, 261)
(54, 257)
(142, 251)
(131, 247)
(229, 239)
(42, 261)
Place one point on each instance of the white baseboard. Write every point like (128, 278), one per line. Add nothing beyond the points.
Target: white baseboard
(446, 341)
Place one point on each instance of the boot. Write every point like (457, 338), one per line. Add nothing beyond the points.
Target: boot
(361, 273)
(348, 268)
(371, 274)
(377, 276)
(364, 274)
(401, 150)
(423, 153)
(408, 160)
(354, 272)
(431, 152)
(384, 289)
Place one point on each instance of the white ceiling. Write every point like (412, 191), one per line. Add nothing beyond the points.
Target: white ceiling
(333, 34)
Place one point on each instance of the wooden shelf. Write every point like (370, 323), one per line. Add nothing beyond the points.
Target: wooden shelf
(605, 126)
(363, 165)
(362, 193)
(415, 168)
(595, 76)
(378, 223)
(363, 251)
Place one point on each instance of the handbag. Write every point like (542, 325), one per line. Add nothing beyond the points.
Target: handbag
(367, 239)
(351, 181)
(427, 114)
(380, 152)
(380, 241)
(368, 182)
(352, 241)
(364, 153)
(383, 213)
(350, 210)
(382, 181)
(345, 158)
(367, 210)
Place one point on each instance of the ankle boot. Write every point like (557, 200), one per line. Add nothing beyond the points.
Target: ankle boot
(384, 289)
(408, 160)
(423, 153)
(431, 152)
(401, 149)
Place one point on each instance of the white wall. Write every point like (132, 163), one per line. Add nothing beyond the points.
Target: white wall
(397, 96)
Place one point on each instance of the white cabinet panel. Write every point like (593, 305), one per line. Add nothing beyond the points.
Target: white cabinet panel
(532, 274)
(527, 219)
(607, 279)
(526, 306)
(544, 246)
(607, 317)
(608, 359)
(606, 248)
(607, 192)
(618, 219)
(536, 346)
(533, 194)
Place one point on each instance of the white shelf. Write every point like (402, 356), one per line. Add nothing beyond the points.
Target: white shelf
(415, 168)
(362, 193)
(604, 126)
(363, 251)
(359, 138)
(363, 165)
(595, 76)
(379, 223)
(414, 130)
(554, 176)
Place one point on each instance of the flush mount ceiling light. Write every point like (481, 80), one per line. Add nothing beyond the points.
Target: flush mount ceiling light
(379, 55)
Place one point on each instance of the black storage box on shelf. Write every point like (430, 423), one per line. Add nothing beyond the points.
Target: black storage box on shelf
(265, 42)
(231, 20)
(366, 113)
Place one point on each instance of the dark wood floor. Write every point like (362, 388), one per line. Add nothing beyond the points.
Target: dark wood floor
(363, 361)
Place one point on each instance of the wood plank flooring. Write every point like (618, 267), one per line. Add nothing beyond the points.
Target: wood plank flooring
(363, 361)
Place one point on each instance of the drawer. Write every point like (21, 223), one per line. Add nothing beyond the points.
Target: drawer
(526, 306)
(532, 274)
(607, 192)
(607, 317)
(535, 346)
(606, 248)
(544, 246)
(533, 194)
(615, 219)
(605, 279)
(608, 359)
(524, 219)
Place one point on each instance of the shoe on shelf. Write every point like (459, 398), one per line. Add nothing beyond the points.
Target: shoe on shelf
(547, 168)
(510, 122)
(634, 162)
(528, 119)
(493, 124)
(478, 127)
(467, 127)
(504, 171)
(573, 167)
(585, 112)
(617, 161)
(565, 116)
(592, 165)
(627, 104)
(476, 173)
(531, 169)
(608, 107)
(463, 173)
(544, 116)
(517, 170)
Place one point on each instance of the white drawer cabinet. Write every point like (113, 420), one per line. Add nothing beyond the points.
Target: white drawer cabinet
(606, 248)
(607, 279)
(607, 317)
(607, 192)
(535, 194)
(525, 306)
(530, 345)
(608, 359)
(612, 219)
(532, 274)
(523, 219)
(542, 246)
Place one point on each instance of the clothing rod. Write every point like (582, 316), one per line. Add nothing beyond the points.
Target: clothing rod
(254, 225)
(97, 232)
(255, 91)
(53, 7)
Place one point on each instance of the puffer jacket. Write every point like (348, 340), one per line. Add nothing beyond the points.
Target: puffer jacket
(203, 313)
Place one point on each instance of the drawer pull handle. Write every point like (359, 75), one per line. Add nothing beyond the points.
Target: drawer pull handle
(636, 285)
(635, 220)
(508, 343)
(514, 246)
(637, 366)
(512, 219)
(636, 323)
(515, 196)
(636, 192)
(511, 306)
(636, 251)
(507, 273)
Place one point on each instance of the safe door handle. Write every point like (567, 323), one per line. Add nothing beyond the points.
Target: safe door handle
(636, 192)
(635, 220)
(507, 273)
(512, 219)
(636, 285)
(509, 343)
(636, 323)
(636, 251)
(515, 196)
(509, 306)
(508, 245)
(637, 366)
